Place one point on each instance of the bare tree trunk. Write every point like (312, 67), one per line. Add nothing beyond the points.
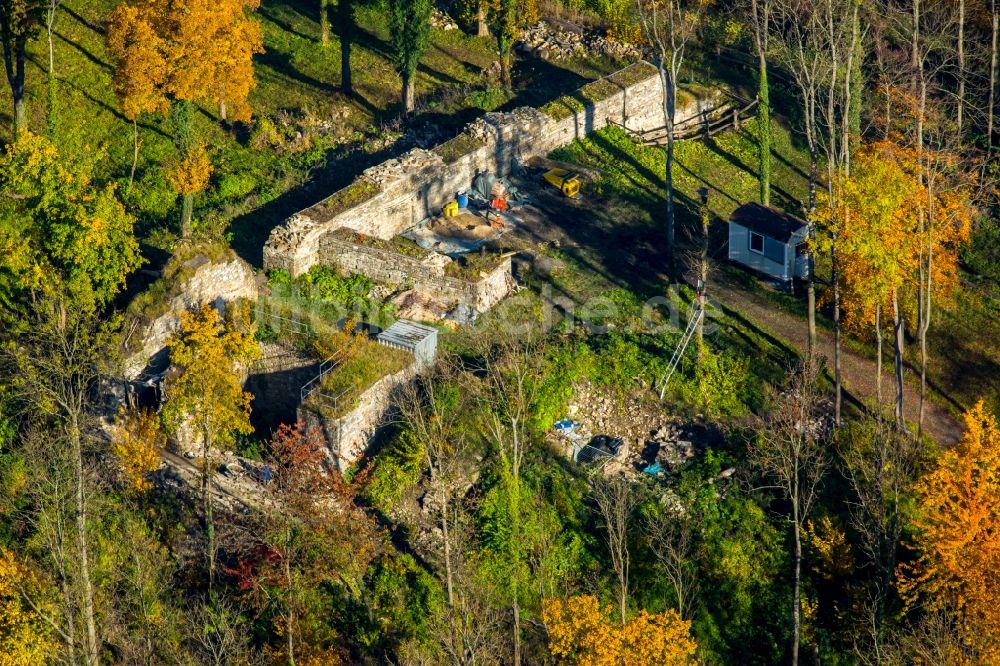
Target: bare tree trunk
(831, 121)
(223, 112)
(187, 212)
(761, 10)
(838, 385)
(135, 155)
(409, 93)
(449, 569)
(207, 508)
(345, 12)
(897, 321)
(289, 611)
(811, 259)
(91, 654)
(616, 499)
(324, 22)
(927, 286)
(915, 43)
(14, 60)
(797, 593)
(669, 114)
(878, 355)
(960, 110)
(50, 20)
(703, 276)
(517, 632)
(991, 110)
(482, 27)
(852, 53)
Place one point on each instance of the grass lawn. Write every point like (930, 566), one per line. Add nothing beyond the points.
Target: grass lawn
(364, 362)
(964, 349)
(308, 139)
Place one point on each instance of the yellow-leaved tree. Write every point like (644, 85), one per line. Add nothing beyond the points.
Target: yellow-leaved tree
(169, 53)
(583, 633)
(206, 401)
(58, 231)
(957, 526)
(25, 638)
(137, 440)
(872, 214)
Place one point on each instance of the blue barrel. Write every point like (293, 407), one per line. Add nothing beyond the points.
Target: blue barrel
(463, 200)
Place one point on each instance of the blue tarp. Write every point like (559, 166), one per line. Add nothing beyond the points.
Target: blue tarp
(653, 469)
(565, 426)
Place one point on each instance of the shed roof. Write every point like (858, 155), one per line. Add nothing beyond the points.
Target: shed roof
(767, 221)
(405, 333)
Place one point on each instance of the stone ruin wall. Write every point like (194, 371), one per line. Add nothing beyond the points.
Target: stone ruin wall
(217, 282)
(417, 184)
(348, 436)
(427, 275)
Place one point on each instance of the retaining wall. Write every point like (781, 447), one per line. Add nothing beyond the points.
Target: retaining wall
(348, 436)
(397, 194)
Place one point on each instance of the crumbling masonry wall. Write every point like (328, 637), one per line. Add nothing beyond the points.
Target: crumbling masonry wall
(395, 195)
(426, 275)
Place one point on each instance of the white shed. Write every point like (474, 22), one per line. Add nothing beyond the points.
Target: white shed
(769, 241)
(419, 340)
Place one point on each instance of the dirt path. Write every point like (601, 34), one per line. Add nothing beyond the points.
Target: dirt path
(858, 372)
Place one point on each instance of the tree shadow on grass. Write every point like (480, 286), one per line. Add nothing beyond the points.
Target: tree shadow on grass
(99, 29)
(741, 165)
(84, 52)
(280, 63)
(271, 16)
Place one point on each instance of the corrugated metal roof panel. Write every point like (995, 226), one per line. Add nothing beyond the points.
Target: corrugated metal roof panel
(406, 333)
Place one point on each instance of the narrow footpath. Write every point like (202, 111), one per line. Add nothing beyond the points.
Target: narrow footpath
(857, 371)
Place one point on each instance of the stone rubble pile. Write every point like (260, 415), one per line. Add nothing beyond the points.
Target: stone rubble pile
(442, 21)
(649, 436)
(551, 43)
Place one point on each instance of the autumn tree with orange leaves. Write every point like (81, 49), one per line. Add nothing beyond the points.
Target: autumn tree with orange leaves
(899, 232)
(583, 633)
(957, 525)
(872, 213)
(182, 53)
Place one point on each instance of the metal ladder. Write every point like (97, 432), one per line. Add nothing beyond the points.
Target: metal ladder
(682, 346)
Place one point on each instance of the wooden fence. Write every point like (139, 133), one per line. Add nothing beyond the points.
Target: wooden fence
(731, 114)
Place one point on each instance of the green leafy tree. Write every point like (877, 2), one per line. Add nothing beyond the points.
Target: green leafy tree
(760, 14)
(207, 399)
(59, 230)
(409, 29)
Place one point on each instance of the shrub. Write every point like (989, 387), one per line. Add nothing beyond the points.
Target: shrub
(397, 469)
(235, 186)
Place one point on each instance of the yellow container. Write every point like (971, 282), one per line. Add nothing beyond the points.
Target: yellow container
(450, 209)
(567, 181)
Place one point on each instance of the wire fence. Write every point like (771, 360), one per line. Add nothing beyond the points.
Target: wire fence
(314, 385)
